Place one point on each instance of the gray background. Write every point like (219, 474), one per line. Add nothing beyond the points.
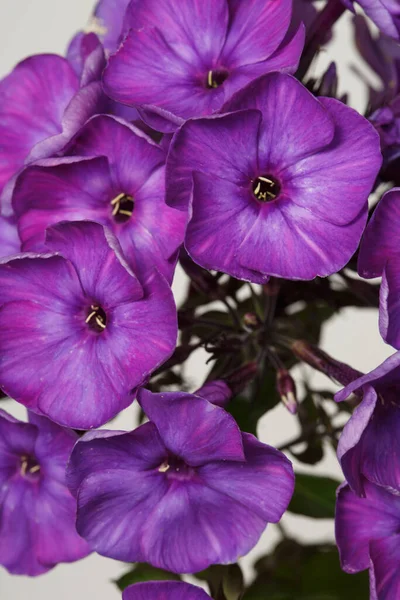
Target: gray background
(34, 26)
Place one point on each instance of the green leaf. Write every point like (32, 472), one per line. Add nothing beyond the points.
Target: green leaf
(314, 496)
(144, 572)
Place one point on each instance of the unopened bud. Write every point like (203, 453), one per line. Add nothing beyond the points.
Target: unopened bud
(251, 320)
(287, 390)
(217, 392)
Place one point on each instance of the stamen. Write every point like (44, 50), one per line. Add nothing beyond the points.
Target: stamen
(97, 318)
(28, 465)
(123, 206)
(216, 78)
(266, 188)
(164, 467)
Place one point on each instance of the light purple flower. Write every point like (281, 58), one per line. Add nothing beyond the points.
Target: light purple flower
(367, 534)
(271, 184)
(183, 491)
(384, 13)
(107, 22)
(164, 590)
(380, 255)
(78, 330)
(185, 59)
(369, 446)
(37, 512)
(123, 187)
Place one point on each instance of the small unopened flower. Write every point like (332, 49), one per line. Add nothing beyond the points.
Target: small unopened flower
(183, 491)
(37, 512)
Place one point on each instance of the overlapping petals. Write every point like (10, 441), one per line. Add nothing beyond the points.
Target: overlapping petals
(183, 491)
(118, 181)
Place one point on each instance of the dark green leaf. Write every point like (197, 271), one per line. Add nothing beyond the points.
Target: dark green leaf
(144, 572)
(314, 496)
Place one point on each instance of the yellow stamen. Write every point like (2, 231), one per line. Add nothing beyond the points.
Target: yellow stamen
(128, 213)
(90, 317)
(99, 322)
(257, 188)
(164, 467)
(34, 469)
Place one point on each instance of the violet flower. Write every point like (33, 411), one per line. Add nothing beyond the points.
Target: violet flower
(180, 60)
(164, 590)
(78, 331)
(367, 534)
(380, 255)
(369, 446)
(274, 182)
(384, 13)
(122, 188)
(37, 512)
(183, 491)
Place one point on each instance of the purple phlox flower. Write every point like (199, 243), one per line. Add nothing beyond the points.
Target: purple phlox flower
(369, 446)
(380, 255)
(164, 590)
(217, 392)
(367, 535)
(78, 330)
(183, 491)
(10, 242)
(384, 13)
(115, 175)
(185, 59)
(37, 511)
(271, 184)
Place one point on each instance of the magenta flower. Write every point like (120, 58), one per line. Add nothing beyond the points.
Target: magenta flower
(380, 255)
(367, 535)
(272, 183)
(78, 330)
(123, 187)
(384, 13)
(369, 446)
(181, 492)
(37, 512)
(180, 60)
(107, 22)
(164, 590)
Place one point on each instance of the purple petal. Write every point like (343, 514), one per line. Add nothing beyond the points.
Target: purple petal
(294, 123)
(196, 27)
(360, 520)
(195, 526)
(33, 99)
(264, 483)
(109, 279)
(389, 315)
(193, 428)
(86, 55)
(10, 242)
(385, 557)
(291, 242)
(256, 30)
(137, 451)
(385, 15)
(379, 243)
(335, 184)
(217, 392)
(224, 146)
(16, 439)
(223, 214)
(164, 590)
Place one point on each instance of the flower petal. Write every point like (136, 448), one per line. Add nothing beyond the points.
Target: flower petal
(193, 428)
(164, 590)
(385, 557)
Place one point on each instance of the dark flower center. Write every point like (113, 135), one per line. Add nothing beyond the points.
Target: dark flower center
(97, 318)
(29, 467)
(266, 188)
(176, 468)
(216, 78)
(122, 208)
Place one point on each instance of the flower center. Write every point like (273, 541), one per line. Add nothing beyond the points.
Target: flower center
(97, 318)
(29, 466)
(216, 78)
(122, 208)
(266, 188)
(176, 468)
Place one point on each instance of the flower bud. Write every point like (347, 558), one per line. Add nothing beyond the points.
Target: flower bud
(287, 390)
